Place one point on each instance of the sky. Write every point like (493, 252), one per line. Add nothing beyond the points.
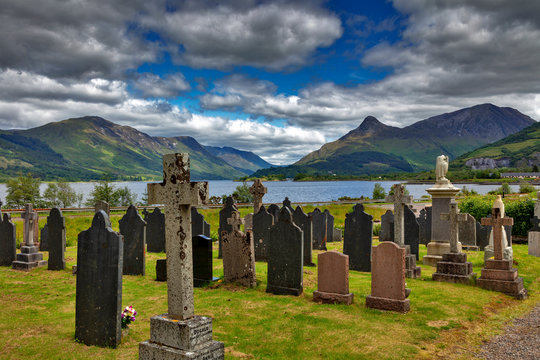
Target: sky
(279, 78)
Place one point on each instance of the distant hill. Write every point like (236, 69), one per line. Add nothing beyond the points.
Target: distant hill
(244, 161)
(87, 148)
(375, 148)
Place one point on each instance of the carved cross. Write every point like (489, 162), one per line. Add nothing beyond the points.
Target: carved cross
(257, 190)
(535, 222)
(400, 200)
(178, 194)
(497, 223)
(29, 216)
(235, 221)
(455, 218)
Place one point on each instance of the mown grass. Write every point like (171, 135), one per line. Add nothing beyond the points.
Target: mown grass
(37, 313)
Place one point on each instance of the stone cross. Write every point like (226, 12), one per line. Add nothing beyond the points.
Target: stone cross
(178, 194)
(535, 222)
(400, 200)
(455, 218)
(29, 217)
(235, 221)
(497, 223)
(257, 190)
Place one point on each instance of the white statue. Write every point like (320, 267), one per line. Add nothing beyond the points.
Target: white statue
(441, 168)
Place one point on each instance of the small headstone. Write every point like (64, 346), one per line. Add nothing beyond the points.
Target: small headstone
(198, 225)
(102, 205)
(132, 227)
(8, 241)
(467, 232)
(333, 279)
(318, 220)
(388, 291)
(329, 226)
(285, 257)
(228, 208)
(424, 221)
(303, 221)
(202, 261)
(29, 257)
(482, 236)
(358, 238)
(98, 302)
(44, 238)
(262, 221)
(534, 237)
(56, 225)
(387, 227)
(412, 231)
(273, 209)
(338, 235)
(257, 190)
(161, 270)
(155, 231)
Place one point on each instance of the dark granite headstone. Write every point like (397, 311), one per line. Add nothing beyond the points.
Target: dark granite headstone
(98, 303)
(225, 214)
(319, 229)
(262, 221)
(329, 226)
(303, 221)
(412, 231)
(535, 222)
(44, 238)
(198, 225)
(202, 261)
(155, 230)
(285, 257)
(287, 204)
(387, 227)
(132, 227)
(57, 239)
(161, 270)
(424, 221)
(358, 238)
(273, 210)
(467, 232)
(482, 235)
(8, 241)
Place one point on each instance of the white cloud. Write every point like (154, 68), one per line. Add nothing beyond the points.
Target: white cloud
(169, 86)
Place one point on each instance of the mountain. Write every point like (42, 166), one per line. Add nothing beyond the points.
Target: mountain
(89, 147)
(518, 150)
(375, 148)
(244, 161)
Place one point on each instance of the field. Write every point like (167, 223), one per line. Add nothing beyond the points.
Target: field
(37, 312)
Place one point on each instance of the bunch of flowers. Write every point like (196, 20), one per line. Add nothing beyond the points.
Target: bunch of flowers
(128, 315)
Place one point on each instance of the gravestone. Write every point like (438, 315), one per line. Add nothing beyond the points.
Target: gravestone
(133, 229)
(257, 190)
(285, 257)
(338, 235)
(318, 219)
(387, 227)
(56, 225)
(482, 236)
(44, 238)
(333, 279)
(36, 229)
(329, 226)
(388, 291)
(262, 221)
(198, 225)
(424, 221)
(412, 231)
(303, 221)
(102, 205)
(534, 237)
(467, 232)
(238, 254)
(29, 257)
(98, 302)
(506, 235)
(161, 270)
(155, 231)
(224, 214)
(8, 241)
(287, 204)
(537, 205)
(358, 238)
(179, 333)
(273, 209)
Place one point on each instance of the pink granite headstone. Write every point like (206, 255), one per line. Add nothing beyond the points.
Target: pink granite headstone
(333, 279)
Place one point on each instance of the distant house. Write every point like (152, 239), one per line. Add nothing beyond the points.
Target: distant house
(534, 175)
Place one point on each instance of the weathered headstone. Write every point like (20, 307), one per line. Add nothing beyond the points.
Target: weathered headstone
(388, 291)
(467, 232)
(537, 205)
(273, 209)
(198, 225)
(387, 227)
(8, 241)
(285, 257)
(358, 238)
(338, 235)
(303, 221)
(262, 221)
(44, 238)
(482, 236)
(133, 229)
(56, 225)
(98, 302)
(238, 254)
(257, 190)
(333, 279)
(424, 221)
(489, 250)
(179, 333)
(29, 257)
(155, 231)
(102, 205)
(412, 231)
(534, 237)
(329, 226)
(288, 205)
(224, 214)
(36, 229)
(318, 220)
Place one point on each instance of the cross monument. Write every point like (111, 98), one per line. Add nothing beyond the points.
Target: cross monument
(497, 223)
(235, 221)
(455, 218)
(400, 200)
(257, 190)
(29, 217)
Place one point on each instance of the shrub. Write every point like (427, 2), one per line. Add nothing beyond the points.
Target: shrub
(526, 188)
(242, 194)
(376, 229)
(378, 192)
(504, 189)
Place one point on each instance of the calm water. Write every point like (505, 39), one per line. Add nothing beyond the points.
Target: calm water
(278, 190)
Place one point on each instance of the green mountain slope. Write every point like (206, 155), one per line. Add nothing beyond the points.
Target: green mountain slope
(244, 161)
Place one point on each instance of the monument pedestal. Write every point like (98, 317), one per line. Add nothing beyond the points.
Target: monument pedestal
(28, 259)
(454, 268)
(332, 298)
(436, 250)
(411, 270)
(181, 339)
(498, 275)
(380, 303)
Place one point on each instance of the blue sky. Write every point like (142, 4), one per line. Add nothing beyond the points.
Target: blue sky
(279, 78)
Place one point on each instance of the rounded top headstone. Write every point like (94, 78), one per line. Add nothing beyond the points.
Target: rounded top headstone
(101, 220)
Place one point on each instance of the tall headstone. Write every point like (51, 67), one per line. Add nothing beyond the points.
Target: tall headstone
(179, 333)
(98, 302)
(388, 287)
(133, 229)
(238, 254)
(224, 214)
(285, 257)
(203, 270)
(56, 225)
(262, 222)
(198, 225)
(44, 238)
(318, 220)
(257, 190)
(424, 222)
(36, 229)
(333, 279)
(29, 257)
(534, 237)
(303, 221)
(8, 241)
(273, 209)
(329, 226)
(467, 232)
(489, 251)
(387, 227)
(155, 231)
(102, 205)
(412, 231)
(358, 238)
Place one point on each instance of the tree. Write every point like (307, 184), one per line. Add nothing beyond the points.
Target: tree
(103, 191)
(125, 197)
(61, 194)
(405, 191)
(378, 192)
(21, 190)
(242, 194)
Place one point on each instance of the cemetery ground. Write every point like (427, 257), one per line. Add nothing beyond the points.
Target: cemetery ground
(37, 311)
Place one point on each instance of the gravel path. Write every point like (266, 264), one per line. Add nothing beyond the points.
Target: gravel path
(521, 340)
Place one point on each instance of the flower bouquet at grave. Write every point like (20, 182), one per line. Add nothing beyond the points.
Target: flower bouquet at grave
(128, 316)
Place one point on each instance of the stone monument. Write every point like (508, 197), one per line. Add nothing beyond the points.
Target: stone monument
(318, 220)
(29, 257)
(199, 226)
(489, 251)
(103, 205)
(257, 190)
(155, 230)
(262, 222)
(224, 215)
(387, 227)
(534, 237)
(333, 279)
(358, 239)
(133, 229)
(56, 225)
(303, 221)
(8, 241)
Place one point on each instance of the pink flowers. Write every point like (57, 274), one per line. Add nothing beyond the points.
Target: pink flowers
(128, 315)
